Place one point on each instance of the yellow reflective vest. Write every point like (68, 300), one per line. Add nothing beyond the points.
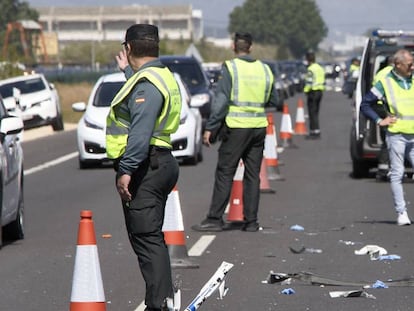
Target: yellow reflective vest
(401, 105)
(315, 78)
(251, 88)
(117, 125)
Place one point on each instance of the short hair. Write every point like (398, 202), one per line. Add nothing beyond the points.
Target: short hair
(400, 56)
(142, 48)
(242, 42)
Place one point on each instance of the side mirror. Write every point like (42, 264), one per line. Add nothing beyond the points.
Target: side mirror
(11, 125)
(79, 107)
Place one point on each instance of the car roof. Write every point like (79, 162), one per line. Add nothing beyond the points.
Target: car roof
(113, 77)
(21, 78)
(178, 58)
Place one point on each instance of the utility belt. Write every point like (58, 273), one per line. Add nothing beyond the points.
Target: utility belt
(154, 153)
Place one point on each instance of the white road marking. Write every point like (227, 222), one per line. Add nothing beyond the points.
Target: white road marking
(197, 250)
(51, 163)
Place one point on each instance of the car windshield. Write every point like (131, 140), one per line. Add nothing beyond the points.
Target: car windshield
(105, 93)
(25, 87)
(190, 73)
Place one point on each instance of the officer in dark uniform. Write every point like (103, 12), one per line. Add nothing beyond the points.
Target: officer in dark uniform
(241, 95)
(143, 114)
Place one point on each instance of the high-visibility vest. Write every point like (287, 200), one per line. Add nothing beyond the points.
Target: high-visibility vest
(401, 105)
(251, 87)
(315, 78)
(382, 73)
(117, 125)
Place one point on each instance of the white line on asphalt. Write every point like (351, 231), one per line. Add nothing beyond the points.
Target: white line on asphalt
(197, 250)
(51, 163)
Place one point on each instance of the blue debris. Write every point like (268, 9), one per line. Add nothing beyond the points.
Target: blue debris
(379, 284)
(389, 257)
(288, 291)
(297, 228)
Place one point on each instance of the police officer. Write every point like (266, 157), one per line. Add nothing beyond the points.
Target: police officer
(396, 90)
(242, 92)
(142, 116)
(314, 87)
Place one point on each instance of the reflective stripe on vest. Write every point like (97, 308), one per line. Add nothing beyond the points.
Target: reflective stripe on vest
(251, 88)
(401, 105)
(315, 78)
(117, 126)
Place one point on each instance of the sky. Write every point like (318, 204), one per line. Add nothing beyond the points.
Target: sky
(345, 16)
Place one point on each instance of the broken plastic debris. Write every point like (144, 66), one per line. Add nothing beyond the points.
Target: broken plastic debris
(303, 249)
(374, 251)
(389, 257)
(276, 277)
(350, 294)
(288, 291)
(107, 235)
(349, 242)
(297, 228)
(379, 284)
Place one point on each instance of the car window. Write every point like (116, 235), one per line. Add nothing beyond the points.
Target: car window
(190, 73)
(105, 93)
(25, 87)
(3, 111)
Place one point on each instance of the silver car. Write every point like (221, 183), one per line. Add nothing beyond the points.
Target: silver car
(11, 171)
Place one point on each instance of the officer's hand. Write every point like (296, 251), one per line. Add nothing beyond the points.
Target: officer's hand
(122, 60)
(206, 138)
(122, 184)
(388, 121)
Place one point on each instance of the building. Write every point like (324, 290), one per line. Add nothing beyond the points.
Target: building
(108, 23)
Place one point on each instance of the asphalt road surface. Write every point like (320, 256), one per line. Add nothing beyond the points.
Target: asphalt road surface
(338, 214)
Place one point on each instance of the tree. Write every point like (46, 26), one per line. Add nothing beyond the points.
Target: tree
(14, 10)
(296, 24)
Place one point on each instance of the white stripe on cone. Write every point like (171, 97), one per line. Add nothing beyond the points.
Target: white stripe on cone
(173, 218)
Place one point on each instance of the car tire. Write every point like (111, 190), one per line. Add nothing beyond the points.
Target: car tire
(360, 168)
(15, 230)
(57, 123)
(86, 164)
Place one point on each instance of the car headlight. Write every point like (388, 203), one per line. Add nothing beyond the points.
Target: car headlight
(92, 125)
(199, 100)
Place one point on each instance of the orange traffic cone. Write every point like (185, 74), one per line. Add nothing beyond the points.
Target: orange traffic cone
(264, 181)
(270, 151)
(87, 288)
(174, 235)
(235, 210)
(286, 128)
(300, 126)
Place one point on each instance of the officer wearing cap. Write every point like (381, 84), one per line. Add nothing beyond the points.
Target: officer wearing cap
(243, 91)
(143, 114)
(314, 87)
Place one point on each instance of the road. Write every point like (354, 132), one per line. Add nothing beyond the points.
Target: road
(339, 215)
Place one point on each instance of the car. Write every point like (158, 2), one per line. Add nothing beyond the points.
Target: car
(11, 176)
(186, 141)
(365, 140)
(34, 99)
(192, 73)
(282, 94)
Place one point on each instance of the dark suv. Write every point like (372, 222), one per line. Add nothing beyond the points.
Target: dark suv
(196, 79)
(366, 141)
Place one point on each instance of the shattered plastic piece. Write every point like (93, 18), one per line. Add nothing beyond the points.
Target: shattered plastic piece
(349, 242)
(297, 228)
(374, 251)
(288, 291)
(350, 294)
(379, 284)
(389, 257)
(276, 277)
(313, 250)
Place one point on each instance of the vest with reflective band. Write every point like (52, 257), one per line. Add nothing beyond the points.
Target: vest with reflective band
(401, 104)
(251, 88)
(315, 78)
(117, 125)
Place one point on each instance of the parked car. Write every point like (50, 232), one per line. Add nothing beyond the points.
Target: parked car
(195, 78)
(34, 99)
(11, 175)
(213, 71)
(365, 140)
(187, 141)
(279, 85)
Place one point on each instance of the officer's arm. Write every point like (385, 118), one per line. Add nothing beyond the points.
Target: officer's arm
(145, 104)
(371, 100)
(219, 107)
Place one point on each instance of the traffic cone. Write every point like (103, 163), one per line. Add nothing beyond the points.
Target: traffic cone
(264, 181)
(235, 207)
(87, 289)
(286, 128)
(270, 151)
(300, 126)
(174, 235)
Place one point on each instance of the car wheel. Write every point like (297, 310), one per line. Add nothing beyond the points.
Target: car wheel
(360, 169)
(57, 123)
(86, 164)
(15, 230)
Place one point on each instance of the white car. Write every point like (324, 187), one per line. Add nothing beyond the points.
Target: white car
(187, 141)
(34, 99)
(11, 176)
